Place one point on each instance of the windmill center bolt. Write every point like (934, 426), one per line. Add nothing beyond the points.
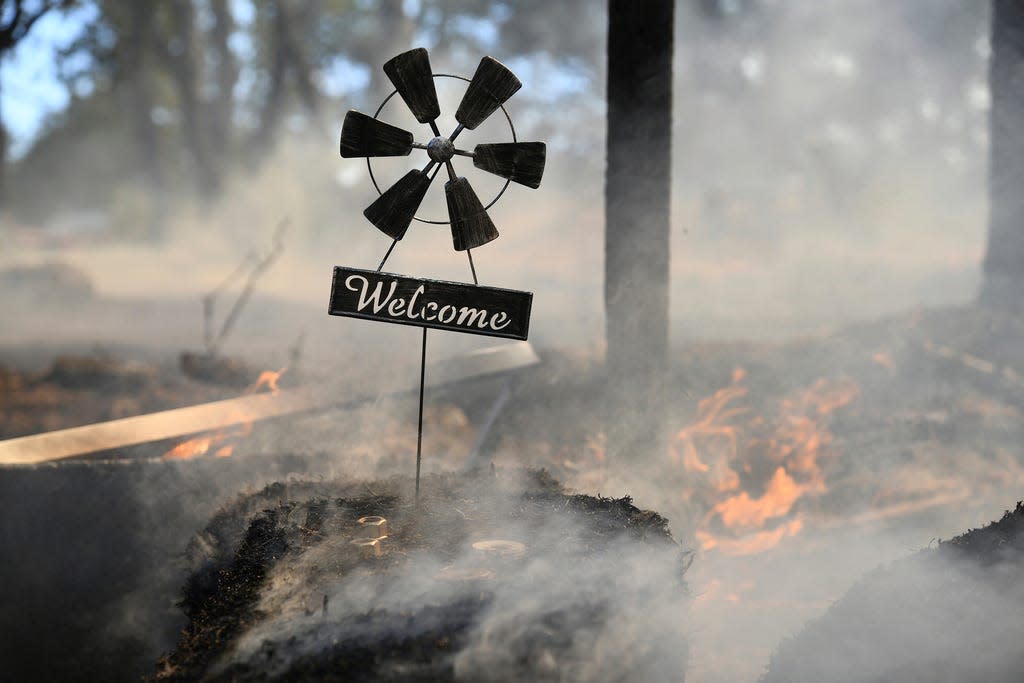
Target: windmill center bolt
(440, 150)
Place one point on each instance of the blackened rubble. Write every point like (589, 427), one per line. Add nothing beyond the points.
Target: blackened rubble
(285, 595)
(946, 614)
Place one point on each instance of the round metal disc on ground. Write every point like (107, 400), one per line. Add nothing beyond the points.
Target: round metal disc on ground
(512, 550)
(465, 574)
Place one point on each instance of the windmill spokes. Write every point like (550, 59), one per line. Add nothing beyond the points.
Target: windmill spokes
(471, 226)
(490, 87)
(520, 162)
(393, 211)
(365, 136)
(411, 75)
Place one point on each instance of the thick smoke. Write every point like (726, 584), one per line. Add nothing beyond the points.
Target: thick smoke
(819, 147)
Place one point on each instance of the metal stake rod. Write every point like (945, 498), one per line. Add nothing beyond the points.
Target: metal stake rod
(423, 372)
(423, 353)
(471, 266)
(385, 259)
(419, 429)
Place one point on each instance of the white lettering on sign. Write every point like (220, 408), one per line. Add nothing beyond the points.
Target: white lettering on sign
(500, 321)
(412, 302)
(374, 298)
(441, 314)
(412, 309)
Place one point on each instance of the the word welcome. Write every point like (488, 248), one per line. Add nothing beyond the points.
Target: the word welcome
(431, 303)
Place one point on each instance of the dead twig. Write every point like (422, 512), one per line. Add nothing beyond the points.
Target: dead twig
(257, 266)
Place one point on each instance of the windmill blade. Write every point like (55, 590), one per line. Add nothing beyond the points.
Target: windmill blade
(410, 73)
(520, 162)
(491, 86)
(471, 226)
(393, 211)
(365, 136)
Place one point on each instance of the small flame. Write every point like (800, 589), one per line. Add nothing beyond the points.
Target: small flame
(743, 512)
(712, 431)
(201, 445)
(884, 358)
(268, 379)
(752, 543)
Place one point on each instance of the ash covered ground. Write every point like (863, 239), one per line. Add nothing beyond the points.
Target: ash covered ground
(794, 470)
(594, 591)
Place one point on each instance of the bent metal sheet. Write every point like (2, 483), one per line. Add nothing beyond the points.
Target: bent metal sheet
(439, 304)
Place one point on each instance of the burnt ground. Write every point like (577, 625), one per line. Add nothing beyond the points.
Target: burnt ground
(94, 555)
(947, 613)
(290, 547)
(935, 427)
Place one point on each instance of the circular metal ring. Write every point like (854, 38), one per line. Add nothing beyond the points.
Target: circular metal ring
(503, 187)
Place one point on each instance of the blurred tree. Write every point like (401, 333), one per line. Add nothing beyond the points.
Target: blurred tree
(176, 93)
(287, 27)
(179, 51)
(226, 71)
(17, 17)
(637, 202)
(170, 66)
(1003, 285)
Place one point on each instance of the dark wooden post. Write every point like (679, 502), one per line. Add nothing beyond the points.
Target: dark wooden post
(1003, 283)
(637, 198)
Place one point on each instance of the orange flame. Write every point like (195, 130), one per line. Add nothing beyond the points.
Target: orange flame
(752, 506)
(201, 445)
(711, 431)
(268, 379)
(191, 448)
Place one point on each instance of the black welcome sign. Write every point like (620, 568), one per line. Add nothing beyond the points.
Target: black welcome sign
(437, 304)
(442, 305)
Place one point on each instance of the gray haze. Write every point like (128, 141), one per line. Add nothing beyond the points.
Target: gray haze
(830, 162)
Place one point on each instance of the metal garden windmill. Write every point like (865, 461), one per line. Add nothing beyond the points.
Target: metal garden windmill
(453, 306)
(395, 209)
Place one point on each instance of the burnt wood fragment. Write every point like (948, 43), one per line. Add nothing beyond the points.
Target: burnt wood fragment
(365, 136)
(410, 73)
(490, 87)
(471, 226)
(393, 211)
(520, 162)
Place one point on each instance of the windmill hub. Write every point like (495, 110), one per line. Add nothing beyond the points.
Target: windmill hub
(440, 149)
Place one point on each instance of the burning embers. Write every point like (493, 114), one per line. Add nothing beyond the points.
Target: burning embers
(752, 470)
(220, 443)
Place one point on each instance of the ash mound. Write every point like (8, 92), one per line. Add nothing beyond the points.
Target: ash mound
(491, 577)
(950, 613)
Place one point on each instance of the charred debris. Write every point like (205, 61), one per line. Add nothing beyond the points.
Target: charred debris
(292, 547)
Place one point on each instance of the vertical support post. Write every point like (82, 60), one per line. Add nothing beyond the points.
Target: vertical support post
(1003, 282)
(419, 428)
(637, 201)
